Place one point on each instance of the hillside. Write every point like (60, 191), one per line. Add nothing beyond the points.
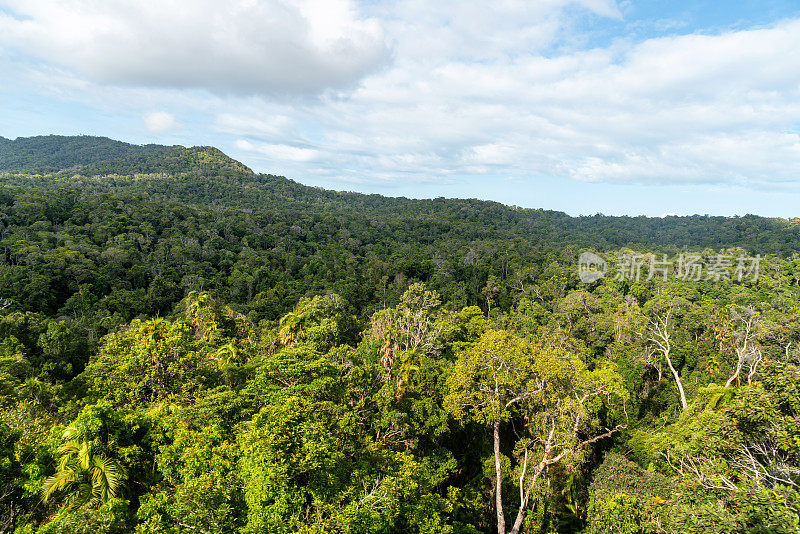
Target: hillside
(50, 153)
(205, 177)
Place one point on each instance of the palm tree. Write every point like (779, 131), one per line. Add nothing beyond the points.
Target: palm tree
(226, 354)
(84, 475)
(290, 329)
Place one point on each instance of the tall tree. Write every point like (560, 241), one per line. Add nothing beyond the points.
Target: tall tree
(659, 336)
(550, 392)
(748, 353)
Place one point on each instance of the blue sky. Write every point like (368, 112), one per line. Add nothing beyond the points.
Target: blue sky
(587, 106)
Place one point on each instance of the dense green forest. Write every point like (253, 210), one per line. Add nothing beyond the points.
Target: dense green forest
(188, 346)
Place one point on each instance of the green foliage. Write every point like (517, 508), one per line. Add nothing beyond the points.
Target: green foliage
(85, 475)
(200, 489)
(757, 510)
(304, 472)
(55, 152)
(623, 497)
(616, 474)
(110, 518)
(491, 374)
(624, 514)
(149, 361)
(10, 476)
(188, 346)
(323, 322)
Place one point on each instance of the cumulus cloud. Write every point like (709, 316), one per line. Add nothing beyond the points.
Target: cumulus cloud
(720, 108)
(242, 46)
(272, 125)
(473, 89)
(279, 152)
(160, 122)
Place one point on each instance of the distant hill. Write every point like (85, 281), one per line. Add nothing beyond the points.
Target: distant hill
(51, 153)
(206, 177)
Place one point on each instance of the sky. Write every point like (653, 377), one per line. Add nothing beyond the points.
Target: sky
(584, 106)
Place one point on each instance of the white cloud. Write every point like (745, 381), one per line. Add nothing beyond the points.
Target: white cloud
(275, 125)
(241, 46)
(491, 154)
(695, 108)
(160, 122)
(279, 152)
(473, 88)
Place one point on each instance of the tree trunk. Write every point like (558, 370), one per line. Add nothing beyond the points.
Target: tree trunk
(498, 495)
(520, 517)
(524, 496)
(735, 374)
(677, 380)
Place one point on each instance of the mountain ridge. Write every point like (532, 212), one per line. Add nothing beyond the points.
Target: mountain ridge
(50, 153)
(206, 177)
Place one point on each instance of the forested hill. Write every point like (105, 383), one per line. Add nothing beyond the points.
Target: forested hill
(204, 176)
(138, 227)
(50, 153)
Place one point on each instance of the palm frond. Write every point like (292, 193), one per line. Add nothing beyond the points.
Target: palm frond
(107, 476)
(63, 480)
(83, 476)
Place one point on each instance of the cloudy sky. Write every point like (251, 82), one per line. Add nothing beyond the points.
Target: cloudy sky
(586, 106)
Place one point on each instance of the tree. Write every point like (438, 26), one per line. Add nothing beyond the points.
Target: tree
(490, 292)
(148, 361)
(744, 337)
(304, 472)
(198, 490)
(734, 437)
(85, 475)
(10, 478)
(405, 332)
(550, 393)
(321, 321)
(658, 334)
